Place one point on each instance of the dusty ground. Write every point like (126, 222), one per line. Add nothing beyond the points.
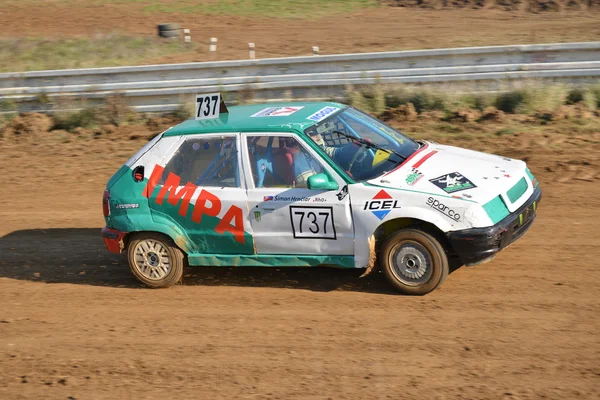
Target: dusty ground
(372, 29)
(75, 324)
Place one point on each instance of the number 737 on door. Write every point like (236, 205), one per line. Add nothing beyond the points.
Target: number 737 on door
(312, 222)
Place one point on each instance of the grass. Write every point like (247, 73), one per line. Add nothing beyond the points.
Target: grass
(306, 9)
(98, 51)
(530, 99)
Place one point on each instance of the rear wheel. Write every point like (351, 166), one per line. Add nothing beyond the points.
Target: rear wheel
(413, 261)
(155, 260)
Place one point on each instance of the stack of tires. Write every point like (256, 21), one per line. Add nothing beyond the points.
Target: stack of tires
(169, 31)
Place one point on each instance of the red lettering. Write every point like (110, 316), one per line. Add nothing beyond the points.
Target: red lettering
(201, 206)
(171, 184)
(233, 221)
(153, 181)
(206, 204)
(185, 193)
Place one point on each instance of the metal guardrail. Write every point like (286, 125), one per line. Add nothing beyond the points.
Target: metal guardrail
(164, 87)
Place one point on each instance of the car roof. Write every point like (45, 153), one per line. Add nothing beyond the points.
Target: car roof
(239, 119)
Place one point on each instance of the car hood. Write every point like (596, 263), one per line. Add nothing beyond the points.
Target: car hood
(460, 173)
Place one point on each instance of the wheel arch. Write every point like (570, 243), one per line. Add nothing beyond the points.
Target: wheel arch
(180, 242)
(387, 228)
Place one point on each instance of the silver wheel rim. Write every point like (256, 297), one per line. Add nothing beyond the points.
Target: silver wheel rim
(151, 259)
(411, 264)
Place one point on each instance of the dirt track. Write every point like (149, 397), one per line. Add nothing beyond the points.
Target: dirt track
(73, 321)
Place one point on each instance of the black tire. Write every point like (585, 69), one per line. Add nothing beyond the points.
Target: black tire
(148, 254)
(424, 264)
(168, 27)
(169, 34)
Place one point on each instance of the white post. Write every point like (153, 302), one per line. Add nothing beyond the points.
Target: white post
(187, 38)
(213, 44)
(315, 50)
(251, 51)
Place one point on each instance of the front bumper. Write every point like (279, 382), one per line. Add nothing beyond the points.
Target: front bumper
(113, 240)
(478, 245)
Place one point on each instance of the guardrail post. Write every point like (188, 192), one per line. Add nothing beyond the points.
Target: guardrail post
(315, 50)
(213, 44)
(251, 52)
(187, 37)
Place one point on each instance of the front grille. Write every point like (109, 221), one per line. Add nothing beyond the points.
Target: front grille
(520, 225)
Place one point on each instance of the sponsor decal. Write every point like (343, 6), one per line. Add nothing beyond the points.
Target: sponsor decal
(276, 111)
(322, 113)
(257, 216)
(312, 222)
(343, 193)
(414, 177)
(381, 204)
(206, 203)
(453, 182)
(127, 206)
(268, 198)
(444, 209)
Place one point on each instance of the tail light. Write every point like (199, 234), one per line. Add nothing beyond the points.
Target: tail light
(105, 203)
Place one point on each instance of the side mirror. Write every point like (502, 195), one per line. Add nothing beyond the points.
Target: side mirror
(321, 182)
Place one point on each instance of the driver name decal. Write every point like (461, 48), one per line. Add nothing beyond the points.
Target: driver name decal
(453, 182)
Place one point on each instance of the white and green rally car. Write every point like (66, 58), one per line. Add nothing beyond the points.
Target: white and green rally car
(308, 184)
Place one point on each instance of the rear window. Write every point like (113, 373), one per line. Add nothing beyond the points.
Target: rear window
(205, 162)
(143, 150)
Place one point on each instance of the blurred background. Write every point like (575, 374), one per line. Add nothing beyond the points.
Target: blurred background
(75, 324)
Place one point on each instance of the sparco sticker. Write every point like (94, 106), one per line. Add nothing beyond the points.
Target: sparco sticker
(276, 111)
(452, 182)
(444, 209)
(322, 113)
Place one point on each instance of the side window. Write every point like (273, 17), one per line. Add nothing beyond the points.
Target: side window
(205, 162)
(280, 161)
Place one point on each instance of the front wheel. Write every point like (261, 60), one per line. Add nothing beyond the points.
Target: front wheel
(413, 261)
(155, 260)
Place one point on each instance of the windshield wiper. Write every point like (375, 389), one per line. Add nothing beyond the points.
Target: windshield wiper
(368, 143)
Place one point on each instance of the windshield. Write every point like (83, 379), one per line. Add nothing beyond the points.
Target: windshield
(361, 145)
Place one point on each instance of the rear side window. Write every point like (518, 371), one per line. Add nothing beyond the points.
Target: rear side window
(206, 162)
(143, 150)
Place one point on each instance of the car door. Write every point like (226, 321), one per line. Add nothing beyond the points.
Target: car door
(286, 216)
(200, 189)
